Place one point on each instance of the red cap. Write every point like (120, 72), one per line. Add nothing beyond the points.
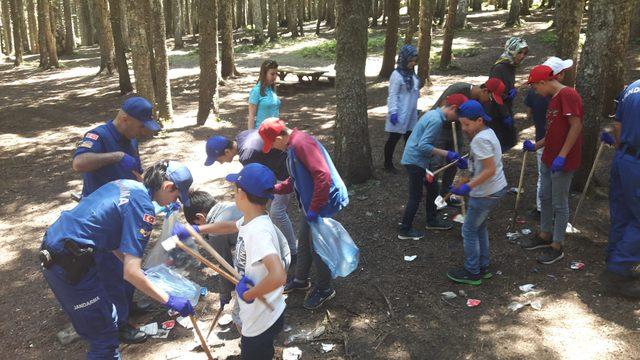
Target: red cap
(540, 73)
(456, 99)
(269, 130)
(496, 87)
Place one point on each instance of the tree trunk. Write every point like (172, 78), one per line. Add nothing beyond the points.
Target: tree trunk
(225, 14)
(331, 14)
(292, 17)
(161, 62)
(514, 14)
(258, 30)
(634, 33)
(194, 17)
(120, 47)
(44, 13)
(107, 55)
(6, 26)
(301, 18)
(24, 28)
(33, 26)
(186, 5)
(42, 38)
(140, 51)
(241, 20)
(440, 10)
(374, 16)
(16, 19)
(414, 19)
(568, 30)
(264, 12)
(424, 42)
(447, 42)
(86, 27)
(176, 10)
(476, 5)
(69, 36)
(502, 4)
(208, 94)
(352, 148)
(461, 14)
(390, 39)
(250, 12)
(273, 20)
(525, 9)
(601, 73)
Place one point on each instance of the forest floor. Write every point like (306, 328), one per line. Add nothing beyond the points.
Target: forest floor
(388, 308)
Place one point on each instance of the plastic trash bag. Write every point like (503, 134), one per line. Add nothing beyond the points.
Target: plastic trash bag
(173, 283)
(335, 246)
(175, 258)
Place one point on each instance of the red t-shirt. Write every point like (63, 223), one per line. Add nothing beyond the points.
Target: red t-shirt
(565, 104)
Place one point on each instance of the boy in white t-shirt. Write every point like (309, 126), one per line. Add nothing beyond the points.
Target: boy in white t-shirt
(485, 189)
(258, 251)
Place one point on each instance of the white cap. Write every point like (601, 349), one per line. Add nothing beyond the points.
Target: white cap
(558, 65)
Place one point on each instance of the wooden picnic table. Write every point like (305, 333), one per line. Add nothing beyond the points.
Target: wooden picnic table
(311, 74)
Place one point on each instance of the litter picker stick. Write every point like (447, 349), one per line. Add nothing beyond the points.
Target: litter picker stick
(448, 166)
(520, 181)
(203, 342)
(198, 238)
(215, 321)
(586, 186)
(455, 147)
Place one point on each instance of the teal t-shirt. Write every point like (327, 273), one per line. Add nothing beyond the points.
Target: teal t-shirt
(268, 105)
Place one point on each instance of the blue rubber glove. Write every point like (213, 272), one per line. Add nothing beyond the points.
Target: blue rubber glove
(394, 118)
(508, 121)
(462, 164)
(452, 156)
(312, 216)
(181, 231)
(180, 304)
(129, 163)
(512, 94)
(606, 138)
(528, 146)
(461, 190)
(243, 286)
(557, 164)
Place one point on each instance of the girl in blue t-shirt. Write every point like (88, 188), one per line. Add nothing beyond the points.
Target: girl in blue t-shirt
(263, 100)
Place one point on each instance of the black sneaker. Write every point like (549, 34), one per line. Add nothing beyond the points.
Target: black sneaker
(130, 335)
(463, 276)
(295, 285)
(454, 201)
(486, 273)
(317, 297)
(410, 234)
(535, 242)
(550, 255)
(438, 224)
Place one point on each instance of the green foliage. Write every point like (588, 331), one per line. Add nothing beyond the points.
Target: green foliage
(548, 37)
(327, 49)
(268, 45)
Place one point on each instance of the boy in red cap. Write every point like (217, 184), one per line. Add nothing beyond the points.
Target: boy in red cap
(320, 193)
(560, 158)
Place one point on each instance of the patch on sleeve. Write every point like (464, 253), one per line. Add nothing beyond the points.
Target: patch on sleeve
(92, 136)
(85, 144)
(149, 219)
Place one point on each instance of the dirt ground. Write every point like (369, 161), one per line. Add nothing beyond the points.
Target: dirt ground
(388, 308)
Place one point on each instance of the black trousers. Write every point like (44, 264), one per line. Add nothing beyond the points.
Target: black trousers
(390, 146)
(261, 347)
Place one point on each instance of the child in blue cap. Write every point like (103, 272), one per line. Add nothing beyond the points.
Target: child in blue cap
(487, 186)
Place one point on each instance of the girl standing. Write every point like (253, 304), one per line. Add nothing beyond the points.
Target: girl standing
(263, 100)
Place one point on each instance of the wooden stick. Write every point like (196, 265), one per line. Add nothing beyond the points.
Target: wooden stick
(205, 245)
(586, 185)
(203, 342)
(206, 262)
(215, 321)
(448, 166)
(455, 147)
(520, 183)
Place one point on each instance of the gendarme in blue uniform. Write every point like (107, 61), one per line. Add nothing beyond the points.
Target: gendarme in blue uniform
(623, 252)
(117, 216)
(105, 139)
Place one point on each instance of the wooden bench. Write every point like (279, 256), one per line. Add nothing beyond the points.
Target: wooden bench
(310, 74)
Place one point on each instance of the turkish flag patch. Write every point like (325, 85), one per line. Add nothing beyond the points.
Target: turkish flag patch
(92, 136)
(149, 219)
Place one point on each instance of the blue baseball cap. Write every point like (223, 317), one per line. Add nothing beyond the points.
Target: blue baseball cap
(180, 175)
(472, 109)
(256, 179)
(141, 109)
(215, 148)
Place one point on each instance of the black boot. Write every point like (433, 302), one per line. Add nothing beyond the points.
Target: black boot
(627, 286)
(130, 335)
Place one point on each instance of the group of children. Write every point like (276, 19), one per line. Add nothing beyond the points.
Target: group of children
(485, 116)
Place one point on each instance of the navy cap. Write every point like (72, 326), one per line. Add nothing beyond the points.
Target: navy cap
(215, 148)
(471, 109)
(180, 175)
(256, 179)
(141, 109)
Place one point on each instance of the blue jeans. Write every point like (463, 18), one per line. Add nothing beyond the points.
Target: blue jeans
(623, 251)
(416, 183)
(280, 218)
(554, 198)
(474, 231)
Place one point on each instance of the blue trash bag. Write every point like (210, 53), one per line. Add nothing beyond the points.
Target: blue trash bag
(335, 246)
(173, 283)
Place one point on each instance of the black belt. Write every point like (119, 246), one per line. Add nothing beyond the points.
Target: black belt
(75, 261)
(630, 150)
